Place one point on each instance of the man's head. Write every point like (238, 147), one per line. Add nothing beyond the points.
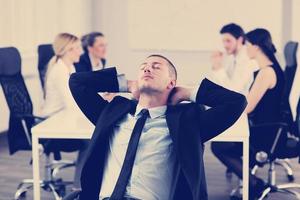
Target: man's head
(233, 37)
(95, 44)
(157, 75)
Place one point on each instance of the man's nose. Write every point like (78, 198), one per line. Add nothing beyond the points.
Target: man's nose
(147, 68)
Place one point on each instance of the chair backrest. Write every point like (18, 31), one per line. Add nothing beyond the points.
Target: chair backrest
(12, 82)
(16, 95)
(45, 53)
(290, 54)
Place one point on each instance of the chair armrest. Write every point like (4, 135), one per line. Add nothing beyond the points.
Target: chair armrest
(31, 119)
(72, 196)
(29, 116)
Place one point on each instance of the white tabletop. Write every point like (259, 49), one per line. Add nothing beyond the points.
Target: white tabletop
(71, 124)
(74, 125)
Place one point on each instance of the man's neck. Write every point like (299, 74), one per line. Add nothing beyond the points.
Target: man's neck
(152, 100)
(237, 51)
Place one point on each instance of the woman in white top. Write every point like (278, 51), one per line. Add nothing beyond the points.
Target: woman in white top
(67, 49)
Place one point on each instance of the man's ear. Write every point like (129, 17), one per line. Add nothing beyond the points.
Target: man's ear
(241, 40)
(172, 84)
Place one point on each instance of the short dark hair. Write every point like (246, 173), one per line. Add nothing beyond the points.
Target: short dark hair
(233, 29)
(89, 39)
(172, 68)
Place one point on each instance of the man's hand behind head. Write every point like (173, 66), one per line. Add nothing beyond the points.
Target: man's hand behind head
(179, 94)
(133, 89)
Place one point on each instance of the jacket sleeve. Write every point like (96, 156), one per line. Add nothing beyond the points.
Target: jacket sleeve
(85, 87)
(225, 105)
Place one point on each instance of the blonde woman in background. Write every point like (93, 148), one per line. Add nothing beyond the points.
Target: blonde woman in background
(67, 49)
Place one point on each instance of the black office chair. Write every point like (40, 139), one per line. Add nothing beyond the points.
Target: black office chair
(72, 196)
(290, 54)
(22, 120)
(45, 53)
(281, 148)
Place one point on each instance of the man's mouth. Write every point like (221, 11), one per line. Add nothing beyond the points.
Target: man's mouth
(147, 77)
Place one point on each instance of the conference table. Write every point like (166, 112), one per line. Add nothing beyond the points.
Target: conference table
(72, 124)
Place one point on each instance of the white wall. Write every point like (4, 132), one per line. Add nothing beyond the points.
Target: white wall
(295, 20)
(111, 19)
(27, 23)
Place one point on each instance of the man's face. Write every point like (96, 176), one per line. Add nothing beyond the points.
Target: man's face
(155, 76)
(230, 43)
(98, 50)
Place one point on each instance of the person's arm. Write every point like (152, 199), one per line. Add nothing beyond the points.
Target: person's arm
(225, 107)
(85, 86)
(265, 79)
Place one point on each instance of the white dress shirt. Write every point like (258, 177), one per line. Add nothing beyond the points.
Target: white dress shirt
(153, 171)
(58, 95)
(236, 73)
(95, 66)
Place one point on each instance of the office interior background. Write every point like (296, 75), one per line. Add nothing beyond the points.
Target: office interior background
(185, 31)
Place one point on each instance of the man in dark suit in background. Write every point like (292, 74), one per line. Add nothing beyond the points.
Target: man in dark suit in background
(94, 45)
(151, 148)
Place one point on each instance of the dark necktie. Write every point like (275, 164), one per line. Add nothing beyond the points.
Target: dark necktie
(126, 170)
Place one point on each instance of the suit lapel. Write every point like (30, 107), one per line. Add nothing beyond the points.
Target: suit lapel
(114, 112)
(173, 116)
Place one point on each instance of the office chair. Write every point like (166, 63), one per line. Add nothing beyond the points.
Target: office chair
(72, 196)
(21, 121)
(290, 55)
(281, 150)
(45, 53)
(281, 147)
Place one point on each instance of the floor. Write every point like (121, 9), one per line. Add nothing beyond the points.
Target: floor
(16, 167)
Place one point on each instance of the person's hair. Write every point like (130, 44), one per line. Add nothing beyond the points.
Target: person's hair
(262, 38)
(172, 68)
(89, 39)
(63, 42)
(233, 29)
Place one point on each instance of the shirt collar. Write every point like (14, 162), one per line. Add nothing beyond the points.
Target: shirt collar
(94, 64)
(241, 54)
(153, 112)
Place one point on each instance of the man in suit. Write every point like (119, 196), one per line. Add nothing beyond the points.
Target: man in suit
(94, 45)
(233, 68)
(166, 162)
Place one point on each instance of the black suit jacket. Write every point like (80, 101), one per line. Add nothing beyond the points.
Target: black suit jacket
(188, 124)
(84, 64)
